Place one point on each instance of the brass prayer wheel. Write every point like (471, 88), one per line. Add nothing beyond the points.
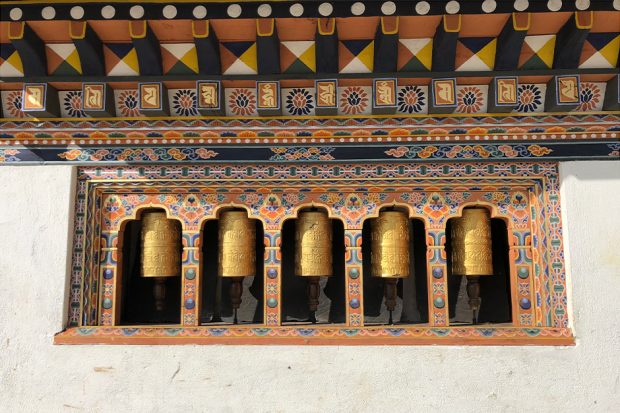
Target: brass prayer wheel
(161, 246)
(389, 255)
(237, 245)
(313, 245)
(471, 244)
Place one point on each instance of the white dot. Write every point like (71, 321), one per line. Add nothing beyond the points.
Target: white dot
(296, 10)
(107, 12)
(617, 4)
(234, 10)
(388, 8)
(554, 5)
(582, 4)
(77, 12)
(488, 6)
(325, 9)
(48, 13)
(358, 8)
(136, 12)
(200, 12)
(264, 10)
(453, 7)
(169, 12)
(521, 5)
(422, 7)
(16, 14)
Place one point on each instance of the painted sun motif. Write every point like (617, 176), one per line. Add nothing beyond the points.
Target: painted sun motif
(299, 102)
(72, 104)
(242, 102)
(14, 104)
(353, 100)
(470, 99)
(530, 98)
(184, 102)
(411, 99)
(589, 97)
(127, 103)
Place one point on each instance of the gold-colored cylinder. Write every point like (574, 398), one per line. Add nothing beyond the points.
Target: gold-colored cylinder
(313, 245)
(389, 256)
(237, 238)
(471, 243)
(161, 246)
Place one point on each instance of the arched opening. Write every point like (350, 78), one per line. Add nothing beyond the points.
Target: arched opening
(217, 304)
(332, 293)
(412, 291)
(141, 292)
(495, 302)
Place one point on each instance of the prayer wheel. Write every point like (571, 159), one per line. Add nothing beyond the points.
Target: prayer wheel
(237, 252)
(313, 252)
(472, 252)
(389, 255)
(161, 252)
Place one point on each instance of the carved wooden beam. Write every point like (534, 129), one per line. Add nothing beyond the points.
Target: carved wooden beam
(267, 47)
(444, 43)
(386, 45)
(30, 47)
(326, 46)
(510, 41)
(147, 48)
(207, 48)
(569, 40)
(89, 48)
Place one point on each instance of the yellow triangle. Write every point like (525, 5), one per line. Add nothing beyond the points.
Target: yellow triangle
(74, 61)
(249, 57)
(610, 51)
(309, 58)
(191, 60)
(487, 54)
(425, 55)
(131, 60)
(367, 56)
(546, 52)
(16, 61)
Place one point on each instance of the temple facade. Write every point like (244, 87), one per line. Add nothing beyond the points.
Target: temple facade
(210, 205)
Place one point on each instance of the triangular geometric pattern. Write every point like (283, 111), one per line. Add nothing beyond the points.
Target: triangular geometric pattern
(63, 59)
(600, 50)
(475, 53)
(10, 62)
(179, 58)
(537, 52)
(238, 58)
(356, 56)
(471, 99)
(298, 56)
(121, 59)
(415, 55)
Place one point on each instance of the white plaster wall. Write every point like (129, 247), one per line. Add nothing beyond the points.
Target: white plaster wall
(38, 376)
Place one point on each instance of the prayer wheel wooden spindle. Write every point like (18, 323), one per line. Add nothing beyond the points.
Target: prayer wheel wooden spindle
(237, 252)
(472, 252)
(161, 257)
(313, 253)
(389, 255)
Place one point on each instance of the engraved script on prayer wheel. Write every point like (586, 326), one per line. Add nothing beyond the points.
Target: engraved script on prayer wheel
(471, 243)
(389, 255)
(237, 252)
(161, 245)
(313, 243)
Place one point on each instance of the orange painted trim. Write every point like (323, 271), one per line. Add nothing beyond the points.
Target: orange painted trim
(392, 24)
(517, 23)
(68, 337)
(16, 30)
(265, 27)
(139, 24)
(450, 21)
(580, 16)
(330, 26)
(200, 29)
(80, 27)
